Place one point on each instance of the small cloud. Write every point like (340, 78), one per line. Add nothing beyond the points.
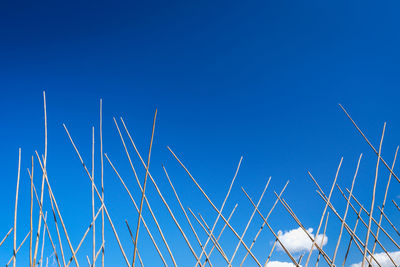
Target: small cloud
(280, 264)
(296, 240)
(383, 259)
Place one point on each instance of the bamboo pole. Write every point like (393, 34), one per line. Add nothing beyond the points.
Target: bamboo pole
(15, 211)
(144, 190)
(323, 237)
(15, 254)
(389, 221)
(373, 197)
(263, 224)
(248, 223)
(384, 200)
(351, 238)
(43, 239)
(93, 209)
(272, 250)
(214, 207)
(140, 186)
(270, 228)
(184, 211)
(133, 240)
(31, 222)
(102, 182)
(99, 196)
(369, 143)
(345, 213)
(137, 209)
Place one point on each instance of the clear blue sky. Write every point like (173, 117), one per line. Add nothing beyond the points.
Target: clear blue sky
(261, 79)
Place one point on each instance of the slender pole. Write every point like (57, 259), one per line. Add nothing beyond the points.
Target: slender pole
(93, 209)
(102, 182)
(31, 222)
(143, 192)
(15, 210)
(323, 237)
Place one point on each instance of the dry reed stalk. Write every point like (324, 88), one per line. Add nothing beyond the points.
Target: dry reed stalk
(15, 254)
(43, 239)
(100, 250)
(373, 219)
(184, 211)
(300, 258)
(99, 196)
(323, 213)
(93, 212)
(31, 221)
(45, 224)
(389, 221)
(138, 182)
(397, 206)
(56, 206)
(248, 223)
(137, 209)
(323, 237)
(270, 228)
(5, 237)
(144, 190)
(297, 220)
(351, 238)
(206, 230)
(369, 143)
(214, 207)
(347, 227)
(220, 211)
(263, 224)
(58, 231)
(88, 260)
(373, 196)
(102, 182)
(272, 250)
(130, 233)
(84, 236)
(15, 209)
(42, 187)
(345, 213)
(219, 236)
(384, 200)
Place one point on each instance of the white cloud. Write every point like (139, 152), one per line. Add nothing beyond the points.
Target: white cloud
(296, 240)
(280, 264)
(383, 259)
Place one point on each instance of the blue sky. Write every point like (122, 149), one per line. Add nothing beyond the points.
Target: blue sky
(261, 80)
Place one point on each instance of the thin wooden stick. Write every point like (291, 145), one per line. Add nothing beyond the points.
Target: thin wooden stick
(373, 196)
(323, 213)
(324, 198)
(384, 200)
(297, 220)
(58, 231)
(263, 224)
(183, 209)
(140, 186)
(45, 225)
(351, 238)
(84, 236)
(31, 222)
(42, 187)
(345, 213)
(144, 190)
(93, 212)
(15, 210)
(137, 209)
(133, 240)
(248, 223)
(102, 182)
(272, 250)
(369, 143)
(99, 196)
(56, 206)
(323, 237)
(5, 237)
(270, 228)
(389, 221)
(43, 239)
(15, 254)
(397, 206)
(208, 256)
(207, 229)
(214, 207)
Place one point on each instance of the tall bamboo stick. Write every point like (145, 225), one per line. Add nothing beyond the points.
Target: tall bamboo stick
(93, 209)
(102, 182)
(15, 210)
